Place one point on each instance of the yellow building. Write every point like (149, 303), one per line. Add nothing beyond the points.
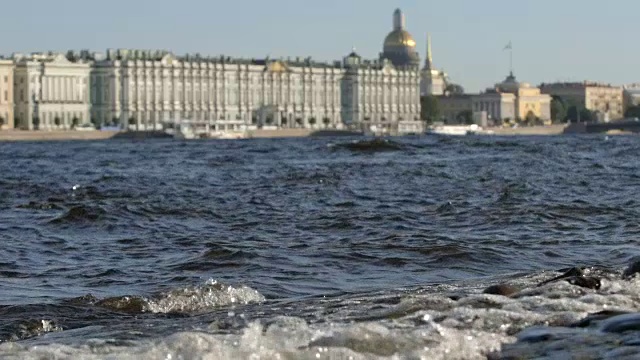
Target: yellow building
(507, 101)
(6, 94)
(604, 100)
(529, 101)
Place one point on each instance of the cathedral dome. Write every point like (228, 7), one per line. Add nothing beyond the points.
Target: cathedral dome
(511, 85)
(399, 38)
(399, 46)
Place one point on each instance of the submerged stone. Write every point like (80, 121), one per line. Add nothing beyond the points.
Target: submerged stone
(573, 272)
(501, 289)
(631, 270)
(597, 317)
(621, 323)
(585, 282)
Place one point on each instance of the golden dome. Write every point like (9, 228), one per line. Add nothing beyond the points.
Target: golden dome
(399, 38)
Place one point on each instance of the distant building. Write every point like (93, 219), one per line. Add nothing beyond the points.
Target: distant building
(144, 90)
(630, 96)
(453, 106)
(433, 81)
(509, 100)
(379, 96)
(498, 106)
(141, 89)
(51, 91)
(6, 94)
(604, 100)
(529, 101)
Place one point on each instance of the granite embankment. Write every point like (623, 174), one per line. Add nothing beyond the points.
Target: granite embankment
(18, 135)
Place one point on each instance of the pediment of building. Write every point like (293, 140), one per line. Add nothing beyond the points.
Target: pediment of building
(60, 59)
(168, 59)
(277, 66)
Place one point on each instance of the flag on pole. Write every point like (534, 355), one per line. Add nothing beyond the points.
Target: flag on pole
(508, 47)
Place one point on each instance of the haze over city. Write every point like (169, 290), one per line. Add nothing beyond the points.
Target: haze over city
(552, 40)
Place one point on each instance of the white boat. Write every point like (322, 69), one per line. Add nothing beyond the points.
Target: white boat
(457, 130)
(186, 129)
(228, 134)
(184, 132)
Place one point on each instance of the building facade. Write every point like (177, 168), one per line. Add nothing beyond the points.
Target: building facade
(6, 94)
(51, 92)
(604, 100)
(142, 90)
(507, 101)
(529, 101)
(511, 101)
(146, 90)
(630, 96)
(499, 107)
(379, 97)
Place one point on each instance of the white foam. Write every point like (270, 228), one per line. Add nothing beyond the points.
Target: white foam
(420, 326)
(202, 298)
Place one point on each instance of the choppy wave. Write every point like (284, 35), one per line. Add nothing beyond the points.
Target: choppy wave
(30, 321)
(554, 320)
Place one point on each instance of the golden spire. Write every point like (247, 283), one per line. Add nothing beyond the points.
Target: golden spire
(429, 60)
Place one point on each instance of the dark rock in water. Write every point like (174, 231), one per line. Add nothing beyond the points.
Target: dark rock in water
(573, 272)
(633, 269)
(82, 300)
(373, 145)
(621, 323)
(501, 289)
(585, 282)
(80, 213)
(542, 334)
(40, 206)
(596, 317)
(125, 304)
(577, 276)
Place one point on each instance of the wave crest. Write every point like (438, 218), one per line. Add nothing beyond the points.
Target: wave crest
(212, 294)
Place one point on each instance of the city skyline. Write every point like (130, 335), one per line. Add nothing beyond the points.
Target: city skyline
(552, 41)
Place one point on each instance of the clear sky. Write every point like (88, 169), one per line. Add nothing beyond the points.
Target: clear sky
(569, 40)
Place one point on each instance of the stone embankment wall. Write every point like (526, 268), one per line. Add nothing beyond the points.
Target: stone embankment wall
(20, 135)
(261, 133)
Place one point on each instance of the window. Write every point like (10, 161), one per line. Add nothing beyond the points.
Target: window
(6, 79)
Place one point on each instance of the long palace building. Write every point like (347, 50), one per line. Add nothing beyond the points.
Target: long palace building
(142, 90)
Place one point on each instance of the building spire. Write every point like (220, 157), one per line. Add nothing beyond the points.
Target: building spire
(428, 64)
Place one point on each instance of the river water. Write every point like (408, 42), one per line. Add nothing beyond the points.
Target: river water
(318, 248)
